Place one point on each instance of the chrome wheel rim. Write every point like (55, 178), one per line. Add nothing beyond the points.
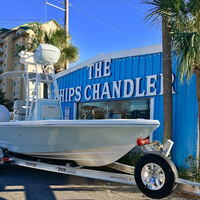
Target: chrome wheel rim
(153, 176)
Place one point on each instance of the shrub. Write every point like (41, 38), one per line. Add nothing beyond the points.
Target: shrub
(190, 171)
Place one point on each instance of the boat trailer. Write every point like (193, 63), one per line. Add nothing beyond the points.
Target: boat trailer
(147, 169)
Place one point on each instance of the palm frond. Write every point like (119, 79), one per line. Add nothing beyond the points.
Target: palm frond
(71, 52)
(187, 45)
(18, 49)
(164, 10)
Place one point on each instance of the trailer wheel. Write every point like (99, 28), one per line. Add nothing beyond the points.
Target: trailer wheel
(156, 176)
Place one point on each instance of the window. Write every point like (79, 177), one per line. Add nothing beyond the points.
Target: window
(126, 109)
(5, 55)
(20, 42)
(17, 82)
(92, 110)
(4, 84)
(13, 94)
(17, 34)
(4, 65)
(129, 109)
(14, 83)
(17, 92)
(15, 64)
(5, 46)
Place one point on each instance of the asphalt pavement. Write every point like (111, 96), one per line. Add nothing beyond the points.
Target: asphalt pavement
(19, 183)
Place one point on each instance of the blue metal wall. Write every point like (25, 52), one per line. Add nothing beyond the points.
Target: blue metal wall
(184, 100)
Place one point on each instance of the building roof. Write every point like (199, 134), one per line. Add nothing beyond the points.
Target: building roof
(3, 30)
(23, 26)
(114, 55)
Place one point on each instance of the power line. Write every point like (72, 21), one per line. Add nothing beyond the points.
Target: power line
(9, 19)
(10, 23)
(60, 2)
(138, 8)
(112, 27)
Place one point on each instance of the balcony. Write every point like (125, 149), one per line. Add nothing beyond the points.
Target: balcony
(1, 79)
(1, 50)
(1, 60)
(1, 41)
(1, 69)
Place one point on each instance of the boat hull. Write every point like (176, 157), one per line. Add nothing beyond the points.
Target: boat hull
(87, 142)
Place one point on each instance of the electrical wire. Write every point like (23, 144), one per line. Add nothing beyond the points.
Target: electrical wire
(112, 27)
(9, 19)
(10, 23)
(130, 4)
(94, 18)
(60, 2)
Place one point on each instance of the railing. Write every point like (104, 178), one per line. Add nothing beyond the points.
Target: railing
(1, 50)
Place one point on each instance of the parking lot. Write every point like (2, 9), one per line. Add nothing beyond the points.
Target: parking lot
(30, 184)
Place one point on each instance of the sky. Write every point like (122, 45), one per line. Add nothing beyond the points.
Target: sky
(96, 26)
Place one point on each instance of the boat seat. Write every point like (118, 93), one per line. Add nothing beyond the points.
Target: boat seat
(19, 110)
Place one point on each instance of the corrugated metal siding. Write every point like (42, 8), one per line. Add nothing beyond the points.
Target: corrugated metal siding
(185, 122)
(184, 100)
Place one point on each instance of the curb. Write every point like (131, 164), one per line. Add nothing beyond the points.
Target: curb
(189, 187)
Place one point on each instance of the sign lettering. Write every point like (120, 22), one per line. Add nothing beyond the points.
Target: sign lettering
(139, 87)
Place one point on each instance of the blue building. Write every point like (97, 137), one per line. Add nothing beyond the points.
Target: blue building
(129, 84)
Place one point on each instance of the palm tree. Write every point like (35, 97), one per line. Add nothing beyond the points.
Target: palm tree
(37, 38)
(160, 13)
(186, 39)
(56, 38)
(34, 40)
(184, 16)
(68, 52)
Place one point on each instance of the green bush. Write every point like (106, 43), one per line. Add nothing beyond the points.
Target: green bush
(190, 171)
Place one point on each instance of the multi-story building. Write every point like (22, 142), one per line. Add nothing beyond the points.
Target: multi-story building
(9, 61)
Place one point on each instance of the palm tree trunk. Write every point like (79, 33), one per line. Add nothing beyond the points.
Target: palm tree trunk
(197, 73)
(167, 81)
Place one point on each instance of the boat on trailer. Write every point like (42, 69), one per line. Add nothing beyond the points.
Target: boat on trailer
(39, 131)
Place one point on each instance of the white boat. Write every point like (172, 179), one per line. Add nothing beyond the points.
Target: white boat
(38, 128)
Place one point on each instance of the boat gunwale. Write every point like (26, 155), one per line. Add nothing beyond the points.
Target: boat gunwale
(84, 123)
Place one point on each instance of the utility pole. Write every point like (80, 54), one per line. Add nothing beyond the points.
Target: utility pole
(66, 11)
(67, 27)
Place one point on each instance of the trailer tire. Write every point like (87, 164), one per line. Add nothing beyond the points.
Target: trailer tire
(156, 176)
